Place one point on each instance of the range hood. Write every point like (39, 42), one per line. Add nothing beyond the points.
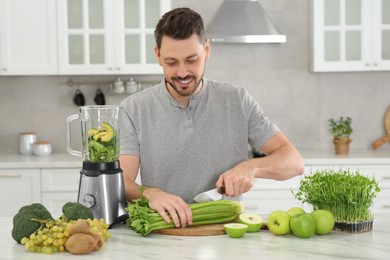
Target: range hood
(243, 21)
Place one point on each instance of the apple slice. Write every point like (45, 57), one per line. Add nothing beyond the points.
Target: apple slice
(235, 230)
(253, 221)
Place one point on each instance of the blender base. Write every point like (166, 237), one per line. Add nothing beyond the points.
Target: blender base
(101, 189)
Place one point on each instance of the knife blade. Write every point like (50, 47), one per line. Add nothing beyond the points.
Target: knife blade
(210, 195)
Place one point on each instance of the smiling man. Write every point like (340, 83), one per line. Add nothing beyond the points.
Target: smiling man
(190, 134)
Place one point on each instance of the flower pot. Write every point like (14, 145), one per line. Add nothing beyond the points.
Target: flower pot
(342, 145)
(356, 227)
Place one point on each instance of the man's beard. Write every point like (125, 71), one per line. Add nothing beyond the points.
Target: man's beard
(184, 93)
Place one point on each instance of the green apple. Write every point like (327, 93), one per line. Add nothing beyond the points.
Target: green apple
(303, 225)
(253, 221)
(295, 210)
(279, 222)
(324, 220)
(235, 230)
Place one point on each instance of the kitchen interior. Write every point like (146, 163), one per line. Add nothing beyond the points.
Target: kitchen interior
(278, 75)
(299, 93)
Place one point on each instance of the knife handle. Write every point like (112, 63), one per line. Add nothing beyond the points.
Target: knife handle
(221, 190)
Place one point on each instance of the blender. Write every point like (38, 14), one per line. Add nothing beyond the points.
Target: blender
(101, 186)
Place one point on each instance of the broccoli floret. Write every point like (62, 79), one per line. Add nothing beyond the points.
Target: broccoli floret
(75, 211)
(23, 225)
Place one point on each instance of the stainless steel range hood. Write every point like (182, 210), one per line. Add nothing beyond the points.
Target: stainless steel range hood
(243, 21)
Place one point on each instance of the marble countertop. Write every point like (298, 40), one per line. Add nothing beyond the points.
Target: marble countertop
(126, 244)
(56, 160)
(312, 157)
(355, 157)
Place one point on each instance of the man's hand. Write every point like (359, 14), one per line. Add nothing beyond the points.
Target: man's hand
(283, 161)
(164, 202)
(237, 180)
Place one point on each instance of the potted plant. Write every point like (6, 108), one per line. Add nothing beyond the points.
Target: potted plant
(348, 195)
(341, 130)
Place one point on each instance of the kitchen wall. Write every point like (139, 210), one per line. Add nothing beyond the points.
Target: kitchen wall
(277, 75)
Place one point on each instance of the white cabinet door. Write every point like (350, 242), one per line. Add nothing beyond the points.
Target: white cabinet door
(269, 195)
(380, 49)
(54, 201)
(350, 35)
(18, 188)
(135, 42)
(108, 37)
(58, 187)
(85, 37)
(28, 43)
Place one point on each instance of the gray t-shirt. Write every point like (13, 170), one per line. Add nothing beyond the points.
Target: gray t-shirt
(184, 150)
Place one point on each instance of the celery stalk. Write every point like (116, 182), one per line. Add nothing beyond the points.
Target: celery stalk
(142, 219)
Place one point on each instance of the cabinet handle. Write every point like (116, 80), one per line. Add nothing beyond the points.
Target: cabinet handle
(11, 174)
(375, 64)
(109, 68)
(4, 69)
(119, 68)
(386, 178)
(386, 206)
(250, 206)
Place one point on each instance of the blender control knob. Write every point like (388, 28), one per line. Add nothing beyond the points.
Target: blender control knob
(89, 200)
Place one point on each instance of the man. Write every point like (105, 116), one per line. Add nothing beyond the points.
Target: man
(190, 134)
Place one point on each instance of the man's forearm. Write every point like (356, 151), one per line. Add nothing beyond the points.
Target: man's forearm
(282, 164)
(133, 190)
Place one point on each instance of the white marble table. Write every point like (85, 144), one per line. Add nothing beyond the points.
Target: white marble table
(125, 244)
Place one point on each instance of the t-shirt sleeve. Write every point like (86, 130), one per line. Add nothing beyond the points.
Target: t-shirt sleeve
(260, 127)
(129, 143)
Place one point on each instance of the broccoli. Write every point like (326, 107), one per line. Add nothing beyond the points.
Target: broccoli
(23, 225)
(75, 211)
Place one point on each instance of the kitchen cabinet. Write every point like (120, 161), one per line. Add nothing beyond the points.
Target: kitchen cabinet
(108, 37)
(18, 187)
(28, 43)
(350, 35)
(269, 195)
(52, 187)
(59, 185)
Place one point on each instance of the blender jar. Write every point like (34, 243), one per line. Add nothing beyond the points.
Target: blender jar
(100, 133)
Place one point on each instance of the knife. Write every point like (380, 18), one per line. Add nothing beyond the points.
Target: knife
(210, 195)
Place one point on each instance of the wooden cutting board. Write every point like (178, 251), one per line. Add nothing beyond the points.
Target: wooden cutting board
(385, 138)
(203, 230)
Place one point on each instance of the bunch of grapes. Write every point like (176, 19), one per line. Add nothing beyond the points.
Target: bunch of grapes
(100, 227)
(51, 237)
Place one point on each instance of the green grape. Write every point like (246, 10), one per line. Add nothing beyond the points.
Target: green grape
(61, 241)
(54, 228)
(50, 240)
(100, 227)
(24, 240)
(47, 250)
